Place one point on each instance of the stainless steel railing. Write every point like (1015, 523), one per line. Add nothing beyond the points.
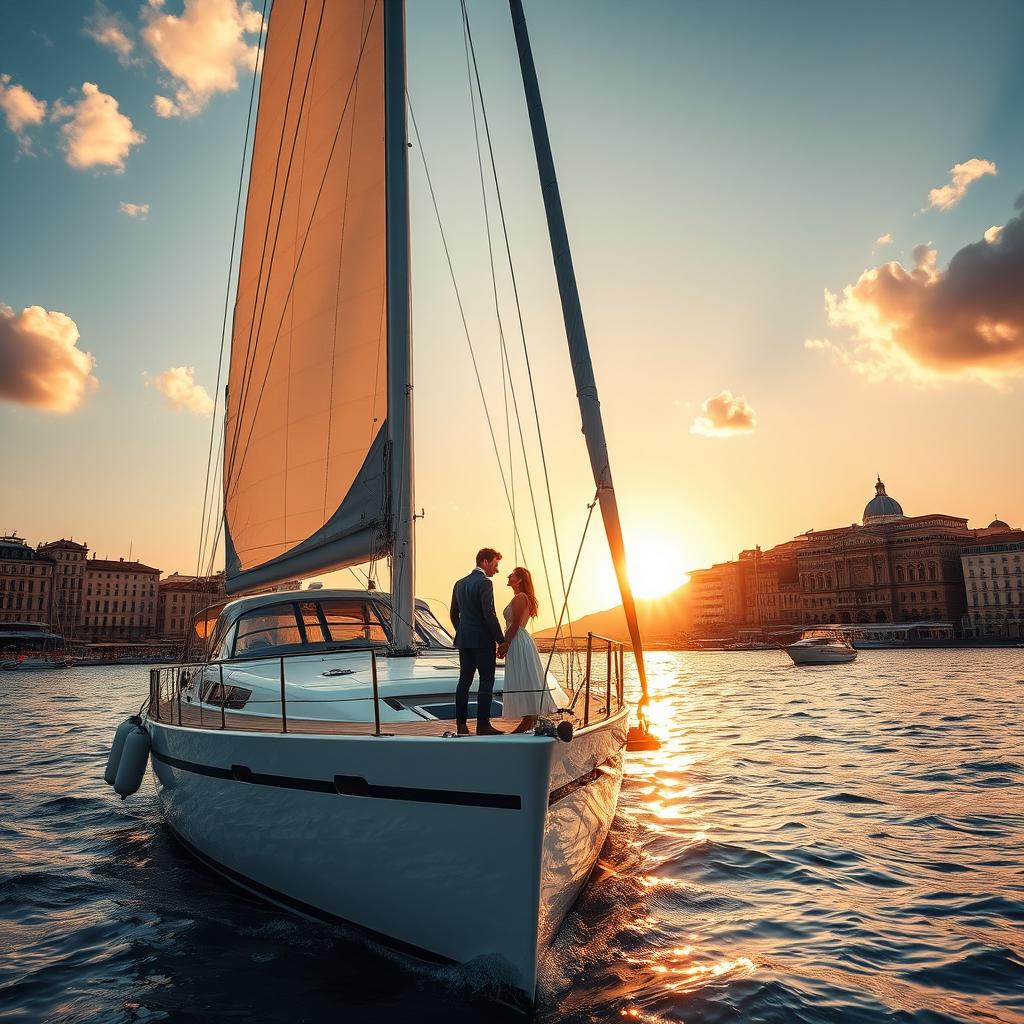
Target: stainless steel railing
(166, 685)
(604, 668)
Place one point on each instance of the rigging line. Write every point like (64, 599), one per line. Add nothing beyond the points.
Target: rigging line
(227, 291)
(565, 605)
(252, 342)
(467, 40)
(462, 314)
(215, 506)
(254, 338)
(519, 310)
(298, 258)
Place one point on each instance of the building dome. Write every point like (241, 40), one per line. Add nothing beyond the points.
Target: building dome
(881, 508)
(998, 524)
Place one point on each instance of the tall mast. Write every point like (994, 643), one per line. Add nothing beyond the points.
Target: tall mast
(576, 333)
(402, 498)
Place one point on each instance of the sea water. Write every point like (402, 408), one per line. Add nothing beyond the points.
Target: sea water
(835, 843)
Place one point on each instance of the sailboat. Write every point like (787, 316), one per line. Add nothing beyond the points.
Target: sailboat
(310, 758)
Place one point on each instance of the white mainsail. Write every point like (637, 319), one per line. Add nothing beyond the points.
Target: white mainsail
(305, 480)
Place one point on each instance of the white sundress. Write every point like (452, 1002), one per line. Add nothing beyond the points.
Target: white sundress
(526, 692)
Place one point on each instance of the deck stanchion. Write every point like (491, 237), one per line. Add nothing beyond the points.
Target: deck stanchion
(154, 689)
(178, 688)
(608, 684)
(586, 684)
(223, 724)
(376, 694)
(284, 711)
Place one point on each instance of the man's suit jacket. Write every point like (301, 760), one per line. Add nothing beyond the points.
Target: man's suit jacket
(472, 612)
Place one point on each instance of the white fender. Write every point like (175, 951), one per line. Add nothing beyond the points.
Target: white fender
(118, 746)
(134, 758)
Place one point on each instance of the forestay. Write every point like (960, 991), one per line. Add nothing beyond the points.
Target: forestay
(304, 455)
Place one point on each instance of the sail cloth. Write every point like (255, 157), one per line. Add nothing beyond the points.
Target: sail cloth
(304, 450)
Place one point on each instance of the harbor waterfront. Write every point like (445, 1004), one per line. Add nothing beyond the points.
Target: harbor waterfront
(817, 844)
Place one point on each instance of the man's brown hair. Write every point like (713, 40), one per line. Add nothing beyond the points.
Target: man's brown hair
(486, 555)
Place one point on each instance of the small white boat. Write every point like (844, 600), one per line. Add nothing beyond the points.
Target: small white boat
(821, 647)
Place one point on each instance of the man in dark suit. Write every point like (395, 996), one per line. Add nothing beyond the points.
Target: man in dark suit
(477, 635)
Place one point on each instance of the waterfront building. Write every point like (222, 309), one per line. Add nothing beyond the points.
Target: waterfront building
(994, 582)
(120, 600)
(889, 568)
(26, 582)
(181, 597)
(69, 558)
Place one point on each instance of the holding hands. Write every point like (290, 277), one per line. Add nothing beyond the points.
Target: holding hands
(502, 650)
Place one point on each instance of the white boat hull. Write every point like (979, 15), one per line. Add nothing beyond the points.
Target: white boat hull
(448, 849)
(820, 655)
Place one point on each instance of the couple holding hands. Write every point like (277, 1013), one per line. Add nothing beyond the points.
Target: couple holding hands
(481, 640)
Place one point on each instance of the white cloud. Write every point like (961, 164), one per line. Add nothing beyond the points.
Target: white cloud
(961, 176)
(885, 239)
(97, 133)
(724, 416)
(202, 50)
(111, 30)
(929, 325)
(21, 110)
(40, 363)
(179, 387)
(137, 210)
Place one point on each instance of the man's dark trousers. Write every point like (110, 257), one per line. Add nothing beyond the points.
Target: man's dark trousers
(471, 661)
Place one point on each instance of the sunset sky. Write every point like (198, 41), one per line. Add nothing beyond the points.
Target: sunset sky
(797, 233)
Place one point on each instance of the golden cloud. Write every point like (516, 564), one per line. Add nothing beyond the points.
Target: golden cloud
(926, 324)
(724, 416)
(140, 211)
(21, 110)
(40, 363)
(961, 176)
(179, 387)
(109, 29)
(97, 133)
(202, 51)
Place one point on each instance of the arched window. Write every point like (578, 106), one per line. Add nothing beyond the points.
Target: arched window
(828, 580)
(936, 614)
(910, 573)
(931, 570)
(899, 574)
(881, 617)
(821, 582)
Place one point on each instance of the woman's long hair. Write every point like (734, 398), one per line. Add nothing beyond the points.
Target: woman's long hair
(526, 586)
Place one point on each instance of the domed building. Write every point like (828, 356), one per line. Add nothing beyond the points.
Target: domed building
(998, 524)
(881, 508)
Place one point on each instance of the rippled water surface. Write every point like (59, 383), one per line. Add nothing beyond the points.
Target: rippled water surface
(842, 843)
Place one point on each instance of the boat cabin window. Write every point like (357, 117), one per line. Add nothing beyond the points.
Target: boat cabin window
(430, 630)
(352, 619)
(295, 625)
(264, 628)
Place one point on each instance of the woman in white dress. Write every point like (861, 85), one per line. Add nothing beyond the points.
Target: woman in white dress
(526, 691)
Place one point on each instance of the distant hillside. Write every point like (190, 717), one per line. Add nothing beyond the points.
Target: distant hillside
(662, 619)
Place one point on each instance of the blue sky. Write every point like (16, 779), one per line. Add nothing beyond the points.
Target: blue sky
(721, 166)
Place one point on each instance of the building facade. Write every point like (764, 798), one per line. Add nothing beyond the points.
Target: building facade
(889, 568)
(26, 582)
(181, 597)
(69, 558)
(994, 582)
(120, 601)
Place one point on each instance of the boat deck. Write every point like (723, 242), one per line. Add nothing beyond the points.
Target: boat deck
(194, 716)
